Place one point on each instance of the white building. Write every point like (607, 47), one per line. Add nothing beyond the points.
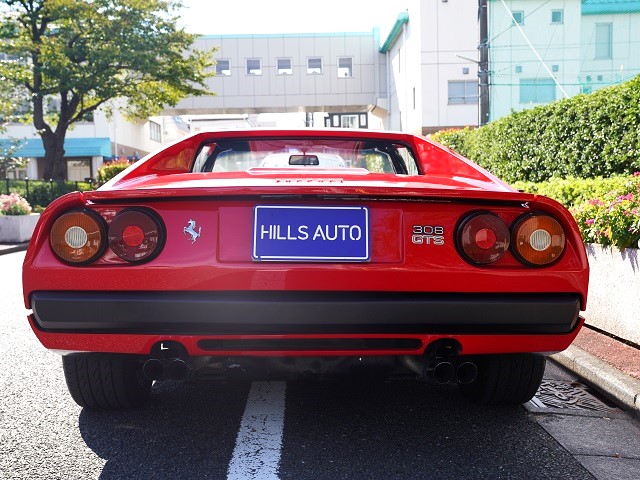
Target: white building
(433, 53)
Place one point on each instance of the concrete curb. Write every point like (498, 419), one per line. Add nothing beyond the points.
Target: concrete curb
(4, 249)
(622, 388)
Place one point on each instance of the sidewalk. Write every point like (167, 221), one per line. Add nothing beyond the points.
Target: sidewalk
(609, 365)
(11, 247)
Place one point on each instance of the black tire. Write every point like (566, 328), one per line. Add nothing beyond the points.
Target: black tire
(505, 379)
(106, 381)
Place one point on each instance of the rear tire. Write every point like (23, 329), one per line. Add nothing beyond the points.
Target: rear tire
(505, 379)
(106, 381)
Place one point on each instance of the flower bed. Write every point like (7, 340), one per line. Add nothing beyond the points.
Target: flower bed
(16, 220)
(613, 219)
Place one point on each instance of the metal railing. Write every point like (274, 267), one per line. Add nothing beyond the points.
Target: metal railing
(42, 192)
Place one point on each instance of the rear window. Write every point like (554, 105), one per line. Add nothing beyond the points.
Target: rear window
(241, 155)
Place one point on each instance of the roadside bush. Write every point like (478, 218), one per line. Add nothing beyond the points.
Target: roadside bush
(110, 169)
(585, 136)
(575, 191)
(43, 193)
(613, 219)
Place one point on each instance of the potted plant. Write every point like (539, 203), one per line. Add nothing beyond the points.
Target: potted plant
(16, 220)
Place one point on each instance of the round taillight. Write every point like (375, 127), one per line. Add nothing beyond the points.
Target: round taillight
(483, 238)
(538, 239)
(136, 235)
(78, 236)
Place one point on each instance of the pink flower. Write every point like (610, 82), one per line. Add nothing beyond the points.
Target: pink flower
(596, 202)
(591, 221)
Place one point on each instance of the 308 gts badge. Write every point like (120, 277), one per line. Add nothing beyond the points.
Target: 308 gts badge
(427, 235)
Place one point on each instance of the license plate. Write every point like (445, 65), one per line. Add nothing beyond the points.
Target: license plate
(310, 234)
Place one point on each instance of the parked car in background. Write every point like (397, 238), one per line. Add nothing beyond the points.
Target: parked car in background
(282, 253)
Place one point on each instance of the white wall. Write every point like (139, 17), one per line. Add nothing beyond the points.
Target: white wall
(449, 32)
(298, 92)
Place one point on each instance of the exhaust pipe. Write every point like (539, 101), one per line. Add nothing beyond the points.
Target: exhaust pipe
(467, 372)
(442, 372)
(153, 369)
(178, 369)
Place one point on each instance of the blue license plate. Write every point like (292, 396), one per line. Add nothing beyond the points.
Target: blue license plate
(310, 234)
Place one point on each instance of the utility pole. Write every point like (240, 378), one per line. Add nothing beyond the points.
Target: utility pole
(483, 65)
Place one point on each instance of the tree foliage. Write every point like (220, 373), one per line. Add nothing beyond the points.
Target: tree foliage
(585, 136)
(8, 158)
(77, 56)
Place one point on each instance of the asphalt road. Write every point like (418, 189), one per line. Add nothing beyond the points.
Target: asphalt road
(394, 430)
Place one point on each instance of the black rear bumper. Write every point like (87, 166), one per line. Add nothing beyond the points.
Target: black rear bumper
(299, 312)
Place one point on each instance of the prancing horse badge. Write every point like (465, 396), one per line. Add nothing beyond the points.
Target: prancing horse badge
(190, 229)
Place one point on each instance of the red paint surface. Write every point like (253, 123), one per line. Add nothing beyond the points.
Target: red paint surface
(220, 259)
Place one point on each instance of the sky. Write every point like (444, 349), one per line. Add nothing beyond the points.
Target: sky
(227, 17)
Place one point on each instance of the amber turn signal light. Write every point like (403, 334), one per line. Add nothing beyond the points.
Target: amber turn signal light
(78, 236)
(537, 239)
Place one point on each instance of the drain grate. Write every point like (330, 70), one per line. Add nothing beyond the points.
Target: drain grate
(569, 395)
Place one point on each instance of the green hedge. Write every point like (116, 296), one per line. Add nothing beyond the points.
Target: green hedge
(575, 191)
(110, 169)
(586, 136)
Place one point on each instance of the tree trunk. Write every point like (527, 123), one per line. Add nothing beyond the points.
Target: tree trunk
(55, 165)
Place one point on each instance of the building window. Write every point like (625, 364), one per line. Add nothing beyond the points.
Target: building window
(254, 66)
(314, 65)
(557, 17)
(518, 68)
(463, 92)
(283, 66)
(345, 67)
(518, 17)
(555, 68)
(537, 90)
(347, 120)
(223, 68)
(604, 41)
(155, 131)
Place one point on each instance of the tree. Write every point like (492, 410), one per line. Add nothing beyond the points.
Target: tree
(8, 159)
(77, 56)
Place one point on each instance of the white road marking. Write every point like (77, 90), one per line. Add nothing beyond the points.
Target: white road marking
(259, 443)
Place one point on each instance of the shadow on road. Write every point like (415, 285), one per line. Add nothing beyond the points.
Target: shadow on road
(333, 430)
(185, 432)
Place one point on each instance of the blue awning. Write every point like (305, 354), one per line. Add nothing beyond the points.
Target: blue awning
(73, 147)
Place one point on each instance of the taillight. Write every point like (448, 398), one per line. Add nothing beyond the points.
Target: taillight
(78, 236)
(538, 239)
(483, 238)
(136, 235)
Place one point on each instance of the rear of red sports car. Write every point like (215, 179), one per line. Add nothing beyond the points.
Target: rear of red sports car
(284, 253)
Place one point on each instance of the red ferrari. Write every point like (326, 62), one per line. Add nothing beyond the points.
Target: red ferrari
(278, 253)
